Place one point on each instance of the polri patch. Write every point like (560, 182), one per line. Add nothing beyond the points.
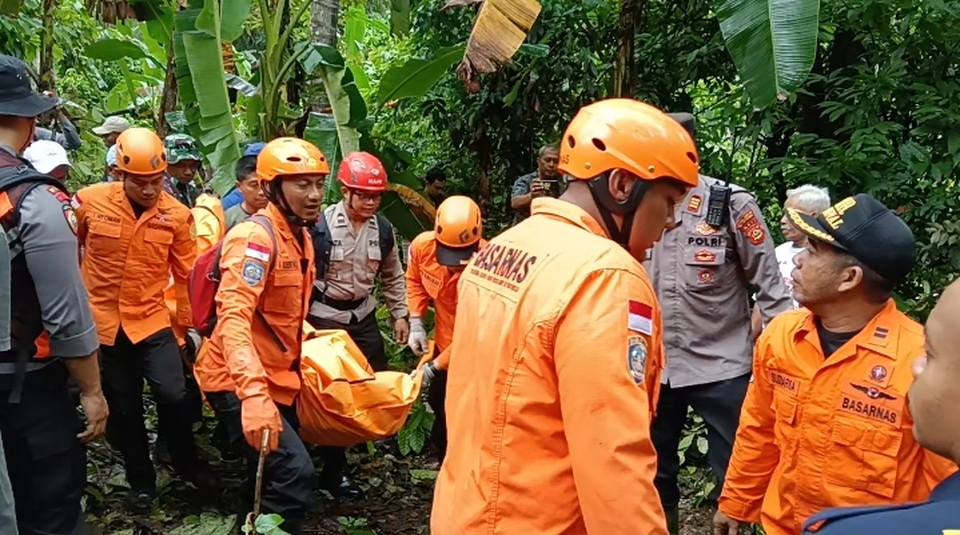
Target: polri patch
(749, 225)
(637, 358)
(71, 216)
(252, 272)
(59, 194)
(704, 229)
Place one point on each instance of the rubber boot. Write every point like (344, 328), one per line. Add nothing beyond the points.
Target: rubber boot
(673, 519)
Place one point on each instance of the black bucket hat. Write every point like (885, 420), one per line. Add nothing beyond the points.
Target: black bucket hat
(17, 97)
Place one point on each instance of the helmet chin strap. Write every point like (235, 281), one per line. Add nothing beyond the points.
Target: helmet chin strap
(275, 195)
(607, 206)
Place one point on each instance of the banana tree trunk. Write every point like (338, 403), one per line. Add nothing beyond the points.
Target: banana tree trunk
(623, 70)
(168, 102)
(47, 40)
(324, 23)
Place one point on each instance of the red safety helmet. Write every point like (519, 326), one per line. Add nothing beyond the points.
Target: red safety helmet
(362, 171)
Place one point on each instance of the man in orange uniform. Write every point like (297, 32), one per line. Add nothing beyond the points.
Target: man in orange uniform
(437, 258)
(933, 400)
(134, 236)
(557, 350)
(250, 370)
(825, 422)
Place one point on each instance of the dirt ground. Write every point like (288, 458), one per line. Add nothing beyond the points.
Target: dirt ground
(397, 495)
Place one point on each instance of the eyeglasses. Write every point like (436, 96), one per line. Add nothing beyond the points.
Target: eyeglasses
(367, 196)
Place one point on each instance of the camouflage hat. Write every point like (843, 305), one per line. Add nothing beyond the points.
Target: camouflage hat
(181, 147)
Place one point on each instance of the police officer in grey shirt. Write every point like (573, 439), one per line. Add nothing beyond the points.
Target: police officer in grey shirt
(704, 276)
(42, 433)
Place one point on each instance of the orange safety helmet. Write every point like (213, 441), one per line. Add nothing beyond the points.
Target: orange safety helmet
(140, 151)
(362, 171)
(290, 156)
(627, 134)
(458, 229)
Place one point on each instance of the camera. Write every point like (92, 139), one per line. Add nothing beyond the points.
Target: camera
(551, 187)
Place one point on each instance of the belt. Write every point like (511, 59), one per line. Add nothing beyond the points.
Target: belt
(342, 305)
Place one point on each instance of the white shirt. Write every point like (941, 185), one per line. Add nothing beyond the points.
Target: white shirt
(785, 253)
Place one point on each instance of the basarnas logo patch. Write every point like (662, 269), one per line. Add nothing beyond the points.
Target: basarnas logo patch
(637, 357)
(252, 272)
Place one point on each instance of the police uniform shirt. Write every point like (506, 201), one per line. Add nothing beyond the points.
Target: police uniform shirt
(45, 240)
(940, 515)
(354, 266)
(704, 276)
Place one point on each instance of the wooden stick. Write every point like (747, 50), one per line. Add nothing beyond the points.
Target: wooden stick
(252, 517)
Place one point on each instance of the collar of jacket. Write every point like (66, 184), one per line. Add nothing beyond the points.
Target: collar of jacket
(571, 213)
(879, 335)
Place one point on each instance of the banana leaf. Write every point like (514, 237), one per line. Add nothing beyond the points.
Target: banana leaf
(499, 30)
(403, 214)
(773, 44)
(417, 76)
(202, 84)
(348, 108)
(400, 17)
(321, 130)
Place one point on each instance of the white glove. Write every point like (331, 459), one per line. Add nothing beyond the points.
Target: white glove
(418, 336)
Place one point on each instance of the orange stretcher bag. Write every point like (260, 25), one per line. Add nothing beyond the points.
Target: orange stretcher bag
(342, 401)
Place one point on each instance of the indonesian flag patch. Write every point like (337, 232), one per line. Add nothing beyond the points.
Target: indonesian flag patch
(255, 250)
(640, 318)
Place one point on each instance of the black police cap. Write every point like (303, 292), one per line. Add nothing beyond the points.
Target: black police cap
(867, 230)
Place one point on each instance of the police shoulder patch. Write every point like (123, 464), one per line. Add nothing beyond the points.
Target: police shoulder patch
(71, 216)
(59, 194)
(637, 358)
(252, 272)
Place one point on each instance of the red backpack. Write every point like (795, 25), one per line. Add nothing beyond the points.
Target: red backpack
(204, 281)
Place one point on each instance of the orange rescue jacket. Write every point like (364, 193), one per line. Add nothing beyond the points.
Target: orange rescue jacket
(555, 369)
(127, 261)
(821, 432)
(261, 304)
(428, 281)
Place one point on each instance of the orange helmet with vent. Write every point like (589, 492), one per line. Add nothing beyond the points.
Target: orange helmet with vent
(630, 135)
(140, 151)
(458, 229)
(290, 156)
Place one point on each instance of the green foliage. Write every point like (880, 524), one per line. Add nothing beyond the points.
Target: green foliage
(413, 436)
(415, 77)
(486, 140)
(205, 524)
(266, 525)
(355, 526)
(772, 42)
(695, 476)
(202, 86)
